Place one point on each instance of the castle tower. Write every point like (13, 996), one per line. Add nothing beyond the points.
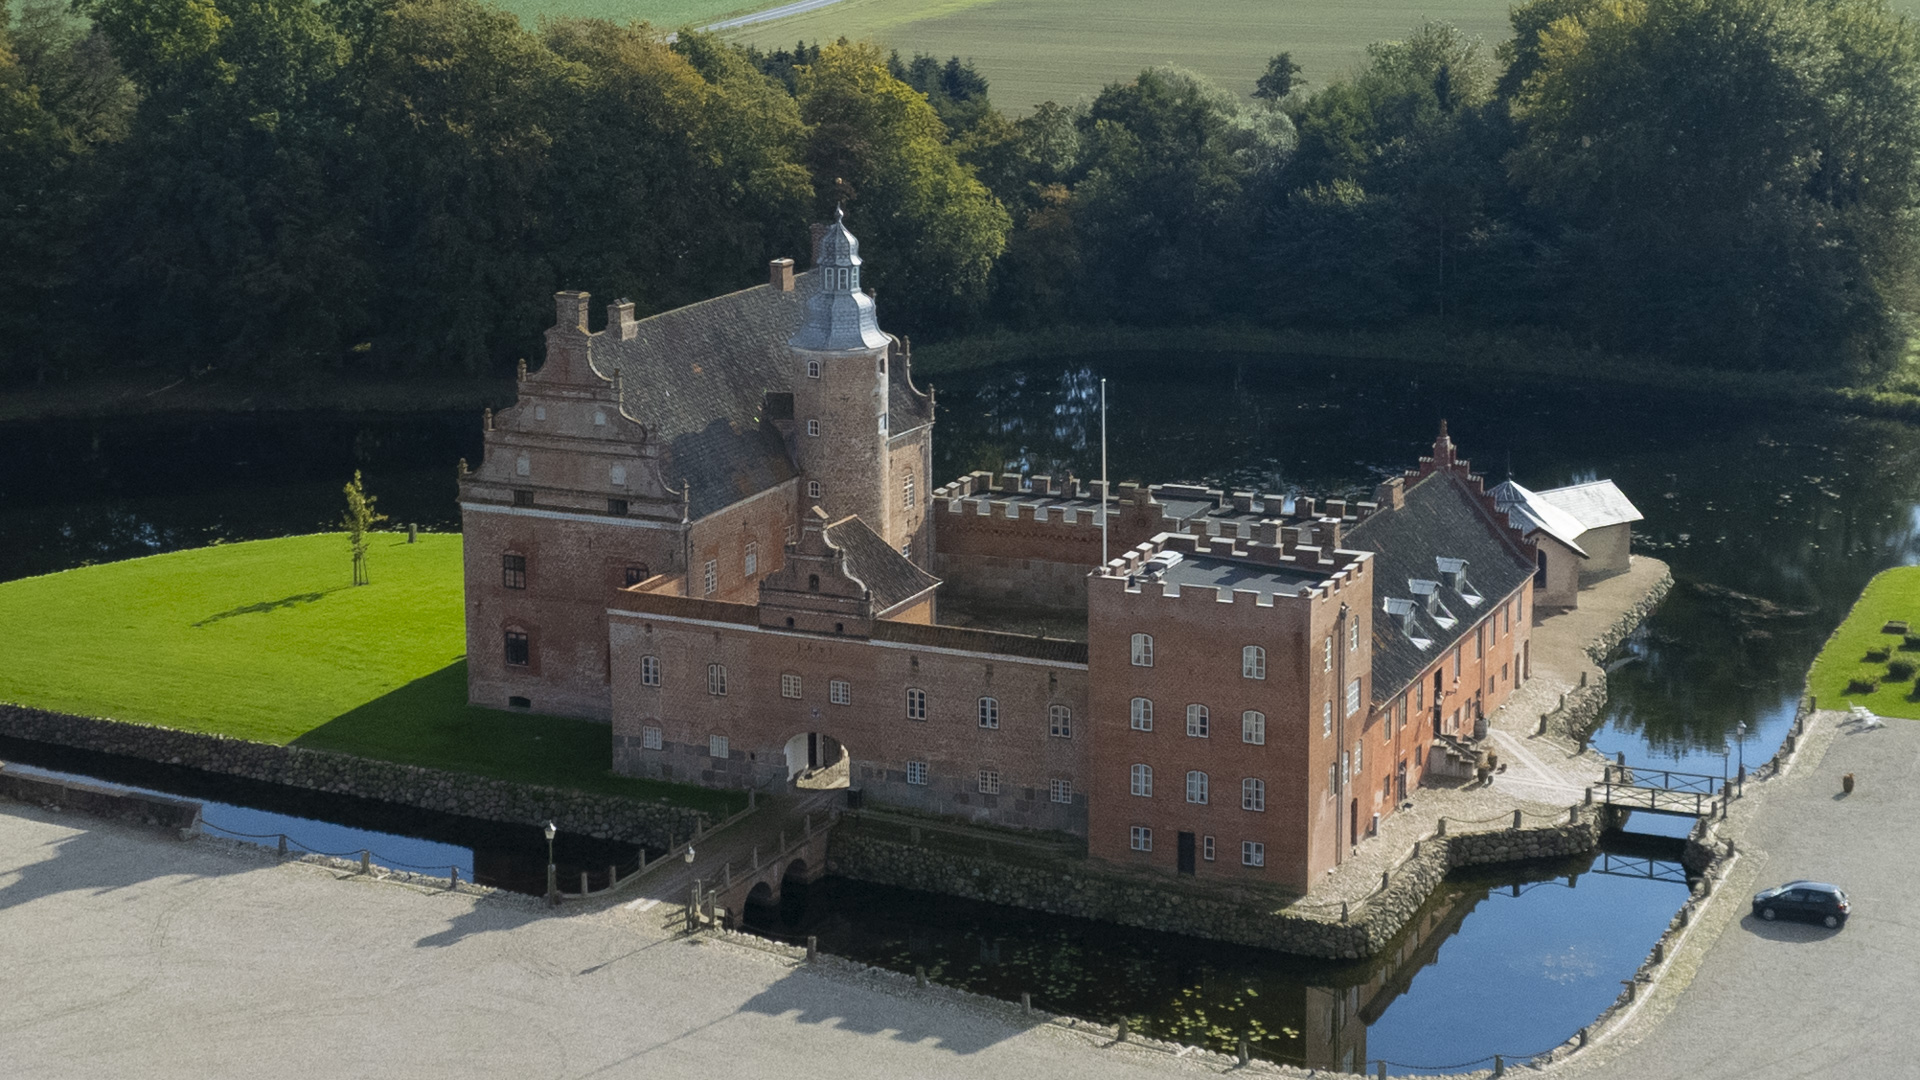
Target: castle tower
(840, 399)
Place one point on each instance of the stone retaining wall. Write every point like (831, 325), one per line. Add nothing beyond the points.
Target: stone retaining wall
(1581, 709)
(1095, 890)
(138, 807)
(604, 817)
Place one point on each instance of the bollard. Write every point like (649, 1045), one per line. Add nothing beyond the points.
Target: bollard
(453, 881)
(1120, 1031)
(1499, 1065)
(920, 976)
(1573, 813)
(1583, 1036)
(283, 844)
(1730, 847)
(413, 532)
(693, 908)
(366, 861)
(1441, 829)
(1343, 911)
(1543, 725)
(1026, 1002)
(1589, 796)
(1246, 1052)
(813, 948)
(583, 883)
(1516, 818)
(1384, 879)
(613, 875)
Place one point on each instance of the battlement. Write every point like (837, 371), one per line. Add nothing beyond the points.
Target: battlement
(1218, 569)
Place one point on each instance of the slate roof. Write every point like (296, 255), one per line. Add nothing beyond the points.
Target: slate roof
(1595, 505)
(1443, 519)
(697, 378)
(891, 577)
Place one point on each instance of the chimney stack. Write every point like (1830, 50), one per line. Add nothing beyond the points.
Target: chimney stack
(620, 320)
(780, 275)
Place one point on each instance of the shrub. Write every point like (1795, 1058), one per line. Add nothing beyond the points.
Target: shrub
(1878, 656)
(1900, 671)
(1860, 686)
(1911, 644)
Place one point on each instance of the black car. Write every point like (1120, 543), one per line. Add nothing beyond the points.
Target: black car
(1812, 901)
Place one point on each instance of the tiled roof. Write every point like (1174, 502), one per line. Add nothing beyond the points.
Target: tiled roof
(1442, 519)
(890, 576)
(983, 641)
(698, 378)
(1595, 505)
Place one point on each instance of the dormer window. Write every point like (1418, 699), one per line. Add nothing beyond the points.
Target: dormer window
(1454, 573)
(1405, 614)
(1427, 595)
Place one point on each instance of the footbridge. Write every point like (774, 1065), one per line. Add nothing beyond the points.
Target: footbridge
(1662, 791)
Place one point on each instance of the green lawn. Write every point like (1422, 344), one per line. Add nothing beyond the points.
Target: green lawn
(270, 641)
(1891, 595)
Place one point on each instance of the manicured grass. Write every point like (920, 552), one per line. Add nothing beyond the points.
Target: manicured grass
(1891, 595)
(271, 641)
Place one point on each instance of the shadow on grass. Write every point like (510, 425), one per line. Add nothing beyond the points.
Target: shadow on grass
(271, 605)
(428, 722)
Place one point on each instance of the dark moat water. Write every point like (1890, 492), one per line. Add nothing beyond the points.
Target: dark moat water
(1772, 518)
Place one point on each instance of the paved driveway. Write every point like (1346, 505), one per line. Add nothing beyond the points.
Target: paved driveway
(1781, 1000)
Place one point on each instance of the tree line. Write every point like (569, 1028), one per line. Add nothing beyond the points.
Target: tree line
(398, 186)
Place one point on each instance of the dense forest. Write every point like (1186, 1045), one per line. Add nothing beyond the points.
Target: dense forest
(398, 186)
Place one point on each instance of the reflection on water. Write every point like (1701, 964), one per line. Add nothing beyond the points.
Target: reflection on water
(1508, 962)
(492, 853)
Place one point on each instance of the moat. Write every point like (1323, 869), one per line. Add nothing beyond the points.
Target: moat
(1772, 521)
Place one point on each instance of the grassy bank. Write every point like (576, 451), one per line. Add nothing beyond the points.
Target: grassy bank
(1471, 352)
(1842, 673)
(270, 641)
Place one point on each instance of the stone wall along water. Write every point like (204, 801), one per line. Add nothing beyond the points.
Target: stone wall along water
(604, 817)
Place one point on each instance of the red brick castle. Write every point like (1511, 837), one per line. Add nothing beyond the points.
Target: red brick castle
(715, 529)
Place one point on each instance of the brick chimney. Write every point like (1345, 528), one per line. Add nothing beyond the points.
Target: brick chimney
(780, 275)
(1392, 495)
(620, 324)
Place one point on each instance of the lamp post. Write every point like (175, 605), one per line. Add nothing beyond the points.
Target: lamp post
(553, 892)
(1741, 729)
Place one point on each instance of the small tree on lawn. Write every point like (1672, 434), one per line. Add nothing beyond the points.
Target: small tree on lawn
(360, 519)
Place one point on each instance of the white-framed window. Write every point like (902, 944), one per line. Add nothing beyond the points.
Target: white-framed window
(1253, 727)
(1143, 781)
(1346, 771)
(1141, 838)
(752, 561)
(1061, 791)
(906, 493)
(883, 423)
(1326, 654)
(1253, 853)
(1142, 714)
(813, 369)
(1206, 848)
(790, 686)
(650, 739)
(1456, 663)
(1253, 662)
(617, 476)
(906, 550)
(1060, 721)
(989, 712)
(916, 703)
(522, 465)
(840, 691)
(710, 577)
(916, 772)
(649, 671)
(717, 680)
(1353, 697)
(1326, 719)
(813, 489)
(1197, 787)
(1253, 795)
(989, 781)
(813, 427)
(717, 746)
(1143, 650)
(1330, 781)
(1197, 721)
(1356, 757)
(1353, 635)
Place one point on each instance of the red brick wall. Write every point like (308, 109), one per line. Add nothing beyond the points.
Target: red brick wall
(758, 721)
(1198, 642)
(723, 536)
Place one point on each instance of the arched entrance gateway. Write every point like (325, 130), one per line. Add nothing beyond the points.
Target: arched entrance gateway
(818, 762)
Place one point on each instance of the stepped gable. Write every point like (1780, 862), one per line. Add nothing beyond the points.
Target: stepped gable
(890, 577)
(1438, 534)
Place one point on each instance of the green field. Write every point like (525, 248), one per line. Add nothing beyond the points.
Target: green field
(671, 14)
(270, 641)
(1891, 595)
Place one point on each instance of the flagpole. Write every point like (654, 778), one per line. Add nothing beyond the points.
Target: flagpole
(1105, 490)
